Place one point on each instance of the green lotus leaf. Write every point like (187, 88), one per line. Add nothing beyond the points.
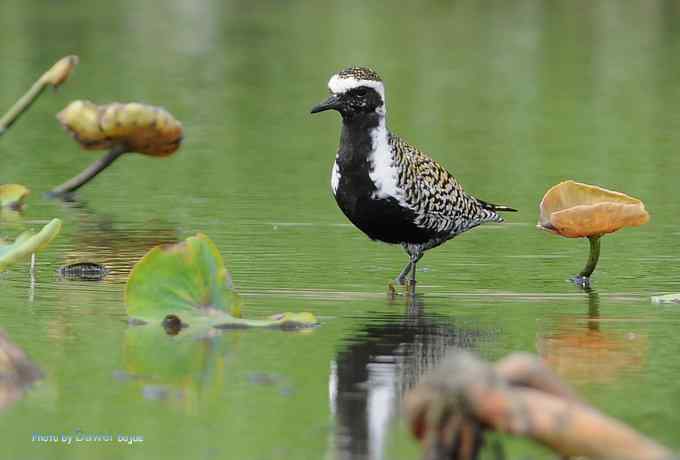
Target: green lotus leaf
(28, 243)
(13, 196)
(185, 284)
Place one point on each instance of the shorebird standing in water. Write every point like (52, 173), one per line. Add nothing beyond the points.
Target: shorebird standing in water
(389, 189)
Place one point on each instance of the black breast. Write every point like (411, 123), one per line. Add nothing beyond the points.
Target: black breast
(381, 219)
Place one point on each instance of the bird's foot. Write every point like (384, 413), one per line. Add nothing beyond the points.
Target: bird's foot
(391, 290)
(410, 288)
(581, 281)
(393, 287)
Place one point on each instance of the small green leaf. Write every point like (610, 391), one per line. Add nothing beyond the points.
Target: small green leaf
(13, 196)
(188, 281)
(28, 243)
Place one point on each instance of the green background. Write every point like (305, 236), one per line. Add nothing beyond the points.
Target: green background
(511, 96)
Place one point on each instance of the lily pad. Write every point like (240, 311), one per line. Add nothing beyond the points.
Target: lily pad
(28, 243)
(187, 282)
(13, 196)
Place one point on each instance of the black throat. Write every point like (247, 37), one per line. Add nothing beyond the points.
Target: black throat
(356, 143)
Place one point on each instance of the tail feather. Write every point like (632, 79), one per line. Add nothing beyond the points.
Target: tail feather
(495, 207)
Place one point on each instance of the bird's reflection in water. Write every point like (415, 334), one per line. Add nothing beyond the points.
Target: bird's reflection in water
(373, 371)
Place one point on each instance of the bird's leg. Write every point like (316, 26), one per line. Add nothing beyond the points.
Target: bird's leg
(411, 285)
(398, 281)
(401, 279)
(414, 253)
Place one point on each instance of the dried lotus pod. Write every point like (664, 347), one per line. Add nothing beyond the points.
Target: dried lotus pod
(141, 128)
(120, 128)
(574, 210)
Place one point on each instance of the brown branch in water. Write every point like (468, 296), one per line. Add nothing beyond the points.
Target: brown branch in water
(453, 405)
(17, 372)
(55, 76)
(525, 369)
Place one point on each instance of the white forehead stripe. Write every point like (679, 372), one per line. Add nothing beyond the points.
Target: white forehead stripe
(339, 85)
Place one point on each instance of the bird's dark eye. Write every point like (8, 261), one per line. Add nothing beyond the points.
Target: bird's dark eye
(361, 92)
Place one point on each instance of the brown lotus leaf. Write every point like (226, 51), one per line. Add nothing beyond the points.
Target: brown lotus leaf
(575, 210)
(139, 127)
(13, 196)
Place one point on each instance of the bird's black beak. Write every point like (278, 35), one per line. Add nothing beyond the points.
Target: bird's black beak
(333, 102)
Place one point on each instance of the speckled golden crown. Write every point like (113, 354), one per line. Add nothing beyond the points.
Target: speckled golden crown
(360, 73)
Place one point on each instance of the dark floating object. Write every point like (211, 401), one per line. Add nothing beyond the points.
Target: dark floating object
(83, 271)
(173, 324)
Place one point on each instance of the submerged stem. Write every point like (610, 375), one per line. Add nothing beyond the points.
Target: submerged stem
(593, 257)
(89, 173)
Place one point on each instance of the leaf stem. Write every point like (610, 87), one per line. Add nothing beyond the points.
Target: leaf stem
(593, 257)
(55, 76)
(88, 173)
(22, 105)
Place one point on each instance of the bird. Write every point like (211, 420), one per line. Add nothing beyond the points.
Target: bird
(389, 189)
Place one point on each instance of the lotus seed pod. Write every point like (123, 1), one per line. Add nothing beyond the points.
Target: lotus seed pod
(138, 127)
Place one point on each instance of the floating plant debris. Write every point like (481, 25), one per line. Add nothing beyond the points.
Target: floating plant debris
(83, 271)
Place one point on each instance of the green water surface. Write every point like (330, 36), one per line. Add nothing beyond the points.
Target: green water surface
(511, 96)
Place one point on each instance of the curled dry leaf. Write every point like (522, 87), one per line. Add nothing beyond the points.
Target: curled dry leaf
(137, 127)
(574, 210)
(12, 196)
(28, 243)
